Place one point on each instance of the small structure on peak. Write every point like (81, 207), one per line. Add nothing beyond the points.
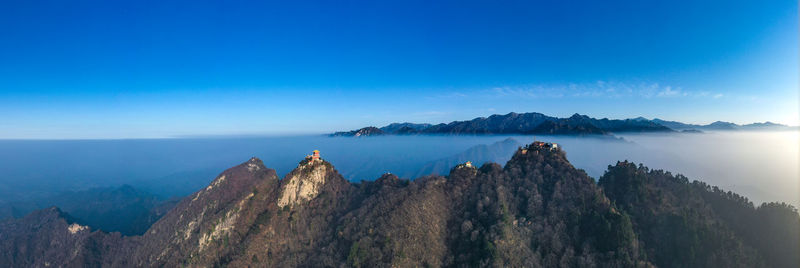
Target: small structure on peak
(313, 156)
(467, 165)
(544, 145)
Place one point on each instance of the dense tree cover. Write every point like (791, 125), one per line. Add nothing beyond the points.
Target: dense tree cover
(691, 224)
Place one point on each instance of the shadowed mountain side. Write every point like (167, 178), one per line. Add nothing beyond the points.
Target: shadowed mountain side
(692, 224)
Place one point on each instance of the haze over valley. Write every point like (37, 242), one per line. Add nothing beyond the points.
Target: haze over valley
(760, 165)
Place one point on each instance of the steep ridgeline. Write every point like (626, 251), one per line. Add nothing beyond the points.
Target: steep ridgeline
(536, 211)
(516, 123)
(718, 125)
(391, 129)
(404, 128)
(314, 217)
(209, 224)
(249, 217)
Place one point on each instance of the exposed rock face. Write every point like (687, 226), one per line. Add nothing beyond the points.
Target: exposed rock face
(536, 211)
(304, 183)
(204, 217)
(75, 228)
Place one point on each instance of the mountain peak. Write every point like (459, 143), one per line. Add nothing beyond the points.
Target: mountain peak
(578, 116)
(254, 164)
(305, 182)
(537, 152)
(388, 179)
(721, 123)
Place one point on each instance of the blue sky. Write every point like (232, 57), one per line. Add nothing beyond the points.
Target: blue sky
(143, 69)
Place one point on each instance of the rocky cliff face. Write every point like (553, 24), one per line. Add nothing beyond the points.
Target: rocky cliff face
(537, 210)
(304, 183)
(207, 218)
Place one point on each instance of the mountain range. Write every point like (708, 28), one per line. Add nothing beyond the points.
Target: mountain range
(535, 211)
(718, 125)
(537, 123)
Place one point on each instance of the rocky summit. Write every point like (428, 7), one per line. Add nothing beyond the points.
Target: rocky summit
(536, 211)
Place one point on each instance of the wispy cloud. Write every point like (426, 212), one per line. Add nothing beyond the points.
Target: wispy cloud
(669, 92)
(429, 114)
(599, 89)
(450, 95)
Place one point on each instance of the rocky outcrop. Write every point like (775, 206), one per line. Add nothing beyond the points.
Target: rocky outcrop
(304, 183)
(206, 218)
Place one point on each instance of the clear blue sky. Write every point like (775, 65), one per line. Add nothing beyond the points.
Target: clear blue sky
(130, 69)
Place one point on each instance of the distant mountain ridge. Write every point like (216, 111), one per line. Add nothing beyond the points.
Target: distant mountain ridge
(516, 123)
(537, 123)
(720, 125)
(400, 128)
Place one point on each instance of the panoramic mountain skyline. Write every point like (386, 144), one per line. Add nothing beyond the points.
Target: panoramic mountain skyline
(412, 133)
(538, 123)
(137, 70)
